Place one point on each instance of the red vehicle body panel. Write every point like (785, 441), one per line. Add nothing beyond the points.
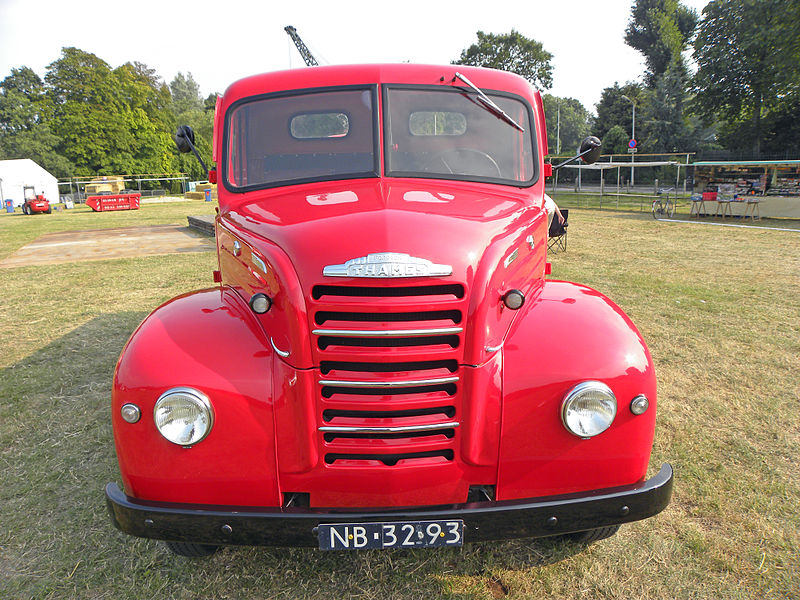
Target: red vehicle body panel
(38, 204)
(114, 202)
(485, 382)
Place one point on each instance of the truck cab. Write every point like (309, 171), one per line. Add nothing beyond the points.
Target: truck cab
(382, 361)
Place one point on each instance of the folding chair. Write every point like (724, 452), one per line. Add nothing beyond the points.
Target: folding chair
(558, 233)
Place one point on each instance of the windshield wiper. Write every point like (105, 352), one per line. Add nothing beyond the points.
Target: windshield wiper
(489, 104)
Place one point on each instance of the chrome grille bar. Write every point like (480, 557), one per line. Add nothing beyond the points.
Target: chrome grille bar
(388, 332)
(388, 384)
(388, 429)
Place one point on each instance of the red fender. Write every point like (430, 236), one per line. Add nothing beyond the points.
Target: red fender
(569, 334)
(211, 341)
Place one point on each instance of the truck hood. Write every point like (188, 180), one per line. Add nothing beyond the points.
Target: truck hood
(460, 225)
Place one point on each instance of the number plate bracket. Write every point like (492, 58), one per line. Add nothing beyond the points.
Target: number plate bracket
(404, 534)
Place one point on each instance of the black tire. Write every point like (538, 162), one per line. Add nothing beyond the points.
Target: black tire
(24, 209)
(591, 535)
(670, 209)
(657, 209)
(191, 550)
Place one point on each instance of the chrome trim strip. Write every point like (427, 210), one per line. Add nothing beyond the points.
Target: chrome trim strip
(389, 429)
(388, 332)
(283, 353)
(388, 384)
(511, 258)
(491, 349)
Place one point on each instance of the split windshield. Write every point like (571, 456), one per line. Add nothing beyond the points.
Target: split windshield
(332, 134)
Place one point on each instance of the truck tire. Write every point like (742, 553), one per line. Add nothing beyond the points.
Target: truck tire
(191, 550)
(590, 535)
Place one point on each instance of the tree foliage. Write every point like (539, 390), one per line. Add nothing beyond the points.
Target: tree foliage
(665, 124)
(613, 109)
(511, 52)
(661, 31)
(615, 141)
(24, 128)
(568, 119)
(87, 119)
(748, 57)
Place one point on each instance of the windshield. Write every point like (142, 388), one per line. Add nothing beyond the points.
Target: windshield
(452, 133)
(321, 135)
(312, 136)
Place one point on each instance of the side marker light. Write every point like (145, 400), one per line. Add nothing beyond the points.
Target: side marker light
(260, 303)
(514, 299)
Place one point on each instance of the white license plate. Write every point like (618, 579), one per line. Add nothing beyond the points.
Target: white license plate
(407, 534)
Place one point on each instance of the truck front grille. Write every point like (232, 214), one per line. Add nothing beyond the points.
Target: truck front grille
(389, 385)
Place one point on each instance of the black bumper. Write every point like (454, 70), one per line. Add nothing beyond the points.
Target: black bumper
(483, 521)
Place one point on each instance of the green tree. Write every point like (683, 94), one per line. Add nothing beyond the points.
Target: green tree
(24, 128)
(185, 94)
(665, 126)
(189, 108)
(511, 52)
(615, 141)
(87, 113)
(614, 109)
(661, 31)
(568, 119)
(748, 58)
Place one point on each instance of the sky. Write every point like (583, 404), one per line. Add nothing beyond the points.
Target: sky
(220, 42)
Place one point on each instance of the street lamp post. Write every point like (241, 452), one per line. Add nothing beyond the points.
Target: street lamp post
(633, 130)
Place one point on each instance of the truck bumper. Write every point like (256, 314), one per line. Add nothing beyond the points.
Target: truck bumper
(483, 521)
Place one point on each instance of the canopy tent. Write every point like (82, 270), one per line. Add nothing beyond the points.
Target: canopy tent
(17, 173)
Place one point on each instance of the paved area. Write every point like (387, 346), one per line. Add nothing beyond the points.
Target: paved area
(100, 244)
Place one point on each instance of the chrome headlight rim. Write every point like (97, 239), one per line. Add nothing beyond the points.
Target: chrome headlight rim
(576, 393)
(196, 397)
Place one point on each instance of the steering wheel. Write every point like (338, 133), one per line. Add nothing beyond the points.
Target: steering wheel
(469, 161)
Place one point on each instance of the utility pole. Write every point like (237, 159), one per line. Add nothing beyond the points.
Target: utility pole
(633, 131)
(558, 128)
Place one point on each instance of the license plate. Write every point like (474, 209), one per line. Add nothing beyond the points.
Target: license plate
(408, 534)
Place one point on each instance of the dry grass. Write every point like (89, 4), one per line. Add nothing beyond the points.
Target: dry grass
(719, 307)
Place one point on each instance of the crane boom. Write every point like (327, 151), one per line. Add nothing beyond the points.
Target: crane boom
(301, 47)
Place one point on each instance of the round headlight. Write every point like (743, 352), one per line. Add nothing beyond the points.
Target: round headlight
(184, 416)
(589, 409)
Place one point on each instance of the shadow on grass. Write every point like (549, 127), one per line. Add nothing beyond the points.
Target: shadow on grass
(57, 452)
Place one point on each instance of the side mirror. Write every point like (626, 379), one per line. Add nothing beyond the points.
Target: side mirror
(590, 150)
(184, 139)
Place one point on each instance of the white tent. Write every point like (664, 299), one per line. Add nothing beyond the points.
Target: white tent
(15, 174)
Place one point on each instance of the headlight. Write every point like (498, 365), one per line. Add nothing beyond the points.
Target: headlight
(184, 416)
(589, 409)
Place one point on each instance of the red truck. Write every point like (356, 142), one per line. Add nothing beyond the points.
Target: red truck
(383, 362)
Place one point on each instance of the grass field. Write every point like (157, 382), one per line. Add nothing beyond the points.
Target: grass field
(719, 307)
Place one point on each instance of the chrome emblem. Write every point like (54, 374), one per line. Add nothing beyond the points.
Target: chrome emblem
(388, 264)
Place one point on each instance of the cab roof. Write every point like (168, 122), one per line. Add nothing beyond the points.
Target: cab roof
(376, 74)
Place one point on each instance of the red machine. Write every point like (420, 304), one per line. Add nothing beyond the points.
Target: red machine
(34, 203)
(104, 202)
(383, 362)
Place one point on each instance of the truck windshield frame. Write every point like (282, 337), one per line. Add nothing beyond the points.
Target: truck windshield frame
(261, 152)
(493, 151)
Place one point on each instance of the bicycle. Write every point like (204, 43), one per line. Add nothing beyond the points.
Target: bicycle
(664, 207)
